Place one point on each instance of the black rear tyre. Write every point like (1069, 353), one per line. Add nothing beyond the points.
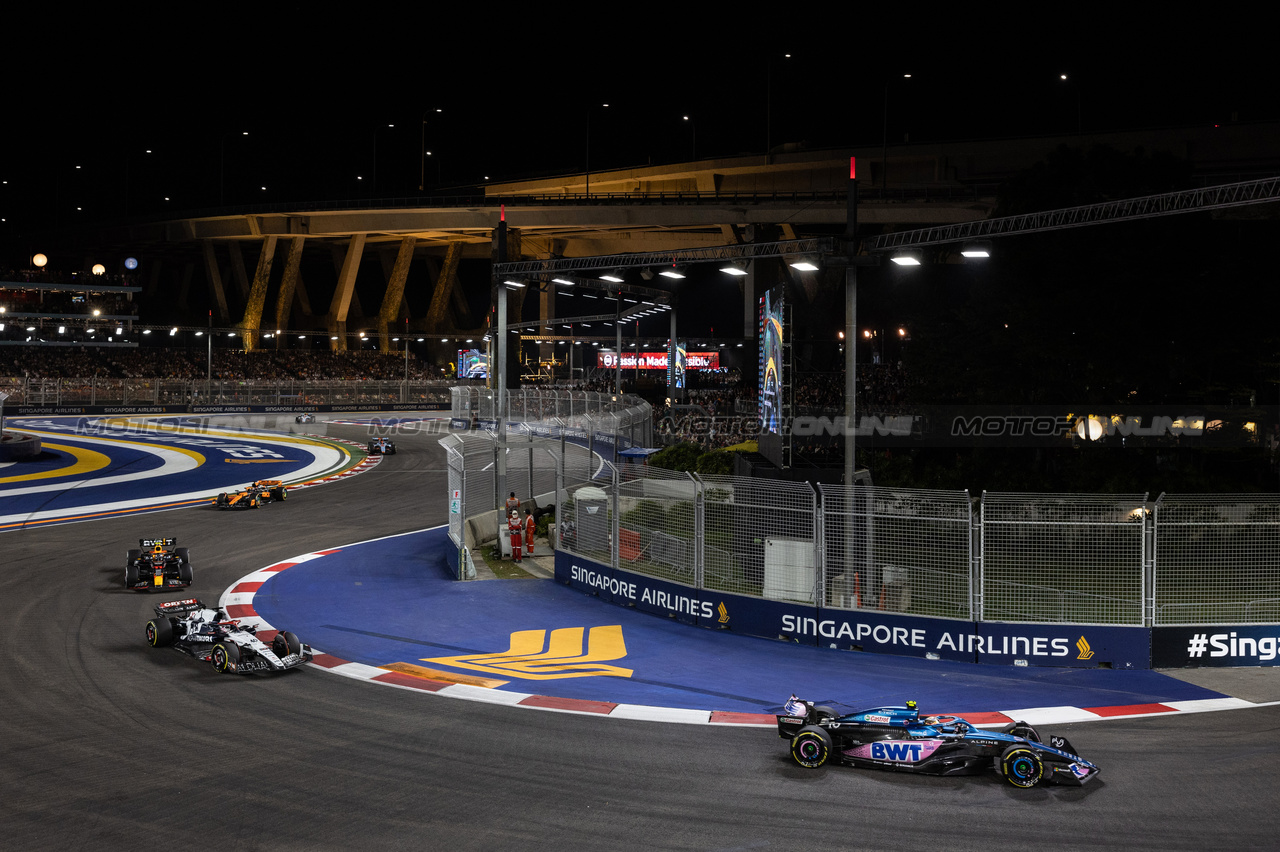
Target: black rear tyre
(159, 632)
(131, 574)
(811, 747)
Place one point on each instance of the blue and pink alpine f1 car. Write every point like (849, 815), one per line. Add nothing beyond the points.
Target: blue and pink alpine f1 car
(900, 739)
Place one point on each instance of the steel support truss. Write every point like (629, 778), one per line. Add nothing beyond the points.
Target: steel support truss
(743, 251)
(1146, 207)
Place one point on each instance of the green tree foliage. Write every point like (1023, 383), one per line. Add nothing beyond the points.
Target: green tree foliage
(682, 457)
(716, 463)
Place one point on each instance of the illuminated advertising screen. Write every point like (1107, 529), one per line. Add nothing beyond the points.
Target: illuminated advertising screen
(682, 362)
(658, 360)
(472, 364)
(771, 378)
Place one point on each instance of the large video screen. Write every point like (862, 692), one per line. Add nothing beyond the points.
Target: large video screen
(771, 377)
(682, 362)
(472, 364)
(606, 359)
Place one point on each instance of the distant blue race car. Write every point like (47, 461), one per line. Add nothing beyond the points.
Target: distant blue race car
(382, 446)
(900, 739)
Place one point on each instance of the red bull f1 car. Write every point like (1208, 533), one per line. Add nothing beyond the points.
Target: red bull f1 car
(382, 447)
(157, 564)
(253, 495)
(208, 634)
(900, 739)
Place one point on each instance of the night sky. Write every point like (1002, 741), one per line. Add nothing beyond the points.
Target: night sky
(317, 87)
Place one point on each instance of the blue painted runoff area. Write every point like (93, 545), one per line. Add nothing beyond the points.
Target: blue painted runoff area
(393, 600)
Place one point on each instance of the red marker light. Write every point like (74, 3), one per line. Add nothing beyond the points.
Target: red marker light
(853, 168)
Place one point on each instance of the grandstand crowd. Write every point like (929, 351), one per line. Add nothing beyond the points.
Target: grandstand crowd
(722, 412)
(224, 364)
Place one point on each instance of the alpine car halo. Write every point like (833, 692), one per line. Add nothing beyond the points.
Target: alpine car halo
(209, 634)
(156, 564)
(900, 739)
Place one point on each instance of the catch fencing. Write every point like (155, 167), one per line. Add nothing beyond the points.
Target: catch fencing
(1035, 558)
(555, 441)
(1100, 559)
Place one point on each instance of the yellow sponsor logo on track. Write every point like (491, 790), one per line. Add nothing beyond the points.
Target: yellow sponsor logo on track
(532, 656)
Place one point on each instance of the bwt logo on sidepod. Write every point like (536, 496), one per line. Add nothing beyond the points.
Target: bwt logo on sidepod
(897, 752)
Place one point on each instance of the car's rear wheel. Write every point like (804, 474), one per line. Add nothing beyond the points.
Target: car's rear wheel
(811, 747)
(131, 574)
(185, 574)
(159, 632)
(225, 656)
(1021, 766)
(223, 502)
(823, 711)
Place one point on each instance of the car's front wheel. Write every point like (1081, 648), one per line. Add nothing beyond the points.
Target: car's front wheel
(225, 656)
(811, 747)
(1021, 766)
(1022, 729)
(286, 643)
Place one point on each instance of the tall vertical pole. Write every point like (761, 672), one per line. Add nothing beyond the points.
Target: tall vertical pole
(672, 391)
(850, 326)
(617, 329)
(500, 456)
(208, 359)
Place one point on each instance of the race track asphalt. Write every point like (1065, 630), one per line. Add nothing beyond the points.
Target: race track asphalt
(108, 744)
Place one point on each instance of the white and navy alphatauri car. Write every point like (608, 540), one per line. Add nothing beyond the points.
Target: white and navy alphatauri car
(209, 634)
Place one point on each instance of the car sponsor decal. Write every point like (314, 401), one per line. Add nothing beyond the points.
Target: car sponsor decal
(881, 720)
(895, 751)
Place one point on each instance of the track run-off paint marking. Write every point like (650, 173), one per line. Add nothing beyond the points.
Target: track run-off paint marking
(181, 458)
(238, 601)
